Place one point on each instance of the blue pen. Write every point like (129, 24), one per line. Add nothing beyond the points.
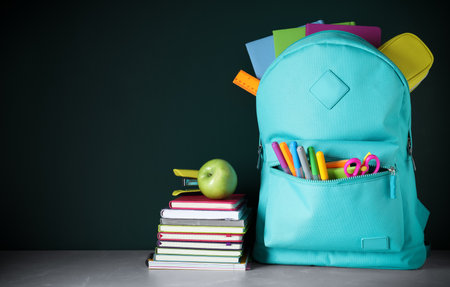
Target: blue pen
(297, 165)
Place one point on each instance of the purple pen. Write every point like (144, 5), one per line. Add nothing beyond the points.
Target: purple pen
(279, 154)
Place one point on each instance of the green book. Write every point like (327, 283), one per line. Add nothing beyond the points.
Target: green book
(286, 37)
(241, 264)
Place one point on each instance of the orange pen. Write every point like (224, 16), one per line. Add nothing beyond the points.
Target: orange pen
(288, 157)
(341, 163)
(336, 164)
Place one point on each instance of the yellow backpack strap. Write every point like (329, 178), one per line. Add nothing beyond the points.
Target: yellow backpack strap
(247, 82)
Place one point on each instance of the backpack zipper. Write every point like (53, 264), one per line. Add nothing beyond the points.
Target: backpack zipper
(392, 179)
(410, 151)
(258, 162)
(391, 169)
(392, 182)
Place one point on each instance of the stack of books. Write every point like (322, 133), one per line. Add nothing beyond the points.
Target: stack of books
(203, 234)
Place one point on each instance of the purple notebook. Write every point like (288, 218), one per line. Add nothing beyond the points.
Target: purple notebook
(371, 34)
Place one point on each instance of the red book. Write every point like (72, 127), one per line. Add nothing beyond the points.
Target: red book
(233, 202)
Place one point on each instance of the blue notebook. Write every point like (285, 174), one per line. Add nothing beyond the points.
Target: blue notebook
(262, 53)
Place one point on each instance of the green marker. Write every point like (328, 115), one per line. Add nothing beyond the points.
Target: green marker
(313, 163)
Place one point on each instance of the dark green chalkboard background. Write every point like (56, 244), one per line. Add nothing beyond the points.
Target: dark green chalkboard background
(99, 101)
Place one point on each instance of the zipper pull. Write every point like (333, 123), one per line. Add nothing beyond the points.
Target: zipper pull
(258, 163)
(410, 150)
(392, 181)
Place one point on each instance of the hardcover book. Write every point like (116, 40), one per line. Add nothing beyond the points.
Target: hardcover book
(204, 203)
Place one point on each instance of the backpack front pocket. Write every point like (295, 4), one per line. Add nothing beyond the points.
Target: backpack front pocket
(351, 214)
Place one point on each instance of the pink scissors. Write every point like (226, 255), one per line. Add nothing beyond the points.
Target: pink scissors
(359, 165)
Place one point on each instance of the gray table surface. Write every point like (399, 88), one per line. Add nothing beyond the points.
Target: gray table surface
(127, 268)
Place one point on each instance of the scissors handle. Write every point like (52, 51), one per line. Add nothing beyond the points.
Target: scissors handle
(357, 168)
(366, 164)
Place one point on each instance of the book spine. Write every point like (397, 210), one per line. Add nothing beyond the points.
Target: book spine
(204, 222)
(201, 229)
(223, 240)
(179, 214)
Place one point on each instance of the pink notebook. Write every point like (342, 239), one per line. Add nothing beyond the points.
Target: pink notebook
(371, 34)
(203, 203)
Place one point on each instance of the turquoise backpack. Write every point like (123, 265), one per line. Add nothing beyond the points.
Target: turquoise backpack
(334, 91)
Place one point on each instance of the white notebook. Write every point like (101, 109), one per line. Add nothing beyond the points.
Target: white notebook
(200, 237)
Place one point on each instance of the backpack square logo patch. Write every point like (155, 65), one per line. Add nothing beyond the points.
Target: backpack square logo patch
(329, 89)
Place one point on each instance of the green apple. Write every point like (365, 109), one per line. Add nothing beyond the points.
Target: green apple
(217, 179)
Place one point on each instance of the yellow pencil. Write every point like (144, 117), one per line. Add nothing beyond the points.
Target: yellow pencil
(322, 165)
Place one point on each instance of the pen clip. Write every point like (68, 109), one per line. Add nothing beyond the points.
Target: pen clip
(187, 181)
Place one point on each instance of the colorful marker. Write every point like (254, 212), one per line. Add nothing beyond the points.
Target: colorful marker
(295, 158)
(322, 165)
(280, 157)
(313, 162)
(304, 161)
(288, 157)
